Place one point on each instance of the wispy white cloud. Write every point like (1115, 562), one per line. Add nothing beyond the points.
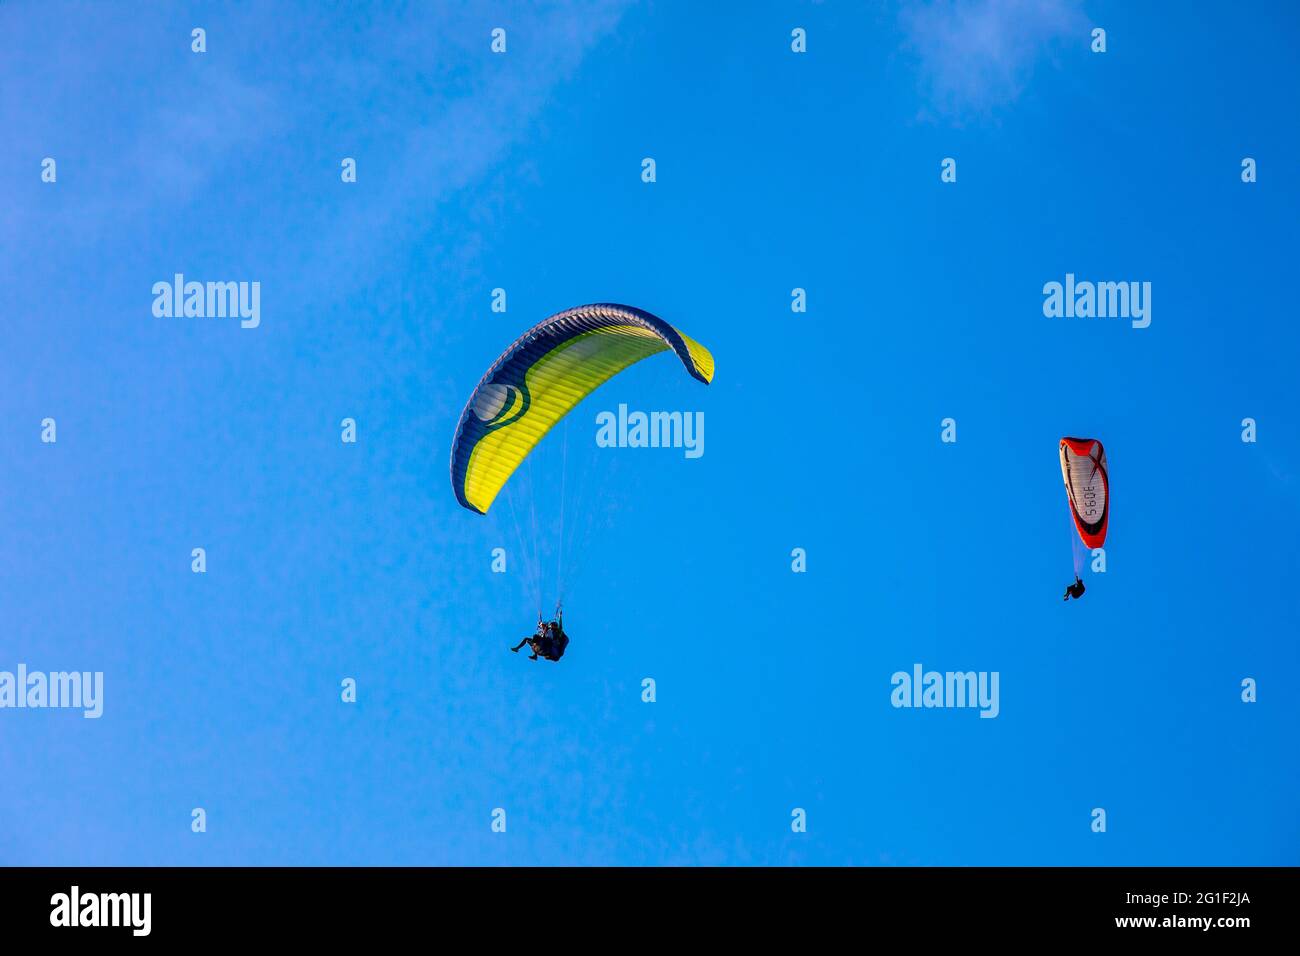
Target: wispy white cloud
(978, 55)
(457, 143)
(264, 117)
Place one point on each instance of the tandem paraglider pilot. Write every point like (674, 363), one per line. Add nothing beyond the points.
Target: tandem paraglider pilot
(549, 642)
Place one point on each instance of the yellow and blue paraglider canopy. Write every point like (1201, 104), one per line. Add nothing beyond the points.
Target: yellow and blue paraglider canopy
(541, 377)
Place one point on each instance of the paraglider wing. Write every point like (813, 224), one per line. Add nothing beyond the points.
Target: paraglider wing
(541, 377)
(1083, 466)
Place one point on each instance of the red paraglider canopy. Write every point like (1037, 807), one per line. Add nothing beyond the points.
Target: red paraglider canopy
(1083, 466)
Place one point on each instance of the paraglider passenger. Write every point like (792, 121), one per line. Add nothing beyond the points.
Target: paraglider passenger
(549, 642)
(534, 641)
(1075, 590)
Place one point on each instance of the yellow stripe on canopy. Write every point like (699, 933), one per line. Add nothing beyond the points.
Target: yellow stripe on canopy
(557, 382)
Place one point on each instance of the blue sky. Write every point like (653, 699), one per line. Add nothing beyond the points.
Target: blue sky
(775, 171)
